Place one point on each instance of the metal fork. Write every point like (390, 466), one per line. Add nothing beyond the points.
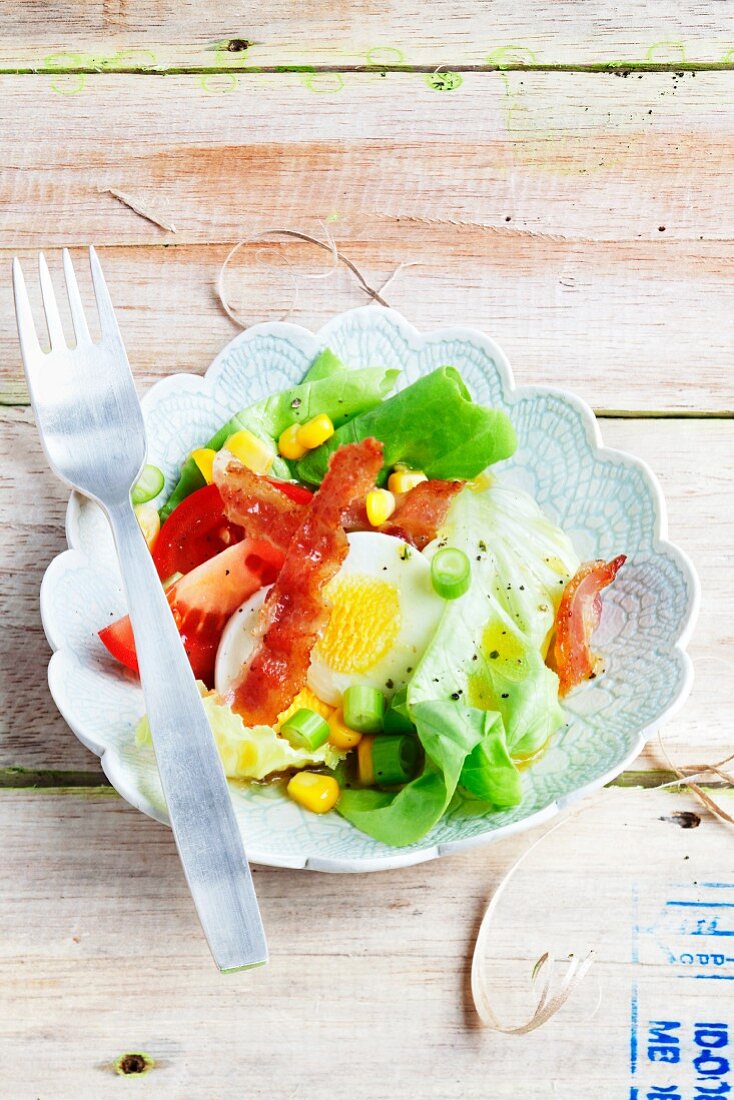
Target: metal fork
(92, 431)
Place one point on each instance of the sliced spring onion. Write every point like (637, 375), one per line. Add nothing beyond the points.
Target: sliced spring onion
(148, 485)
(450, 573)
(363, 708)
(305, 729)
(397, 719)
(394, 759)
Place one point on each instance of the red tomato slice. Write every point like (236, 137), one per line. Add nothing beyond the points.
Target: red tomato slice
(296, 492)
(198, 529)
(202, 602)
(195, 531)
(578, 617)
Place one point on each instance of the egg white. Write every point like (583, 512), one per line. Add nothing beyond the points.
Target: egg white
(386, 646)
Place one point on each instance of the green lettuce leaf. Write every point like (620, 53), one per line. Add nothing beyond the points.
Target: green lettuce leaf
(325, 365)
(338, 392)
(449, 733)
(433, 425)
(250, 752)
(490, 645)
(489, 771)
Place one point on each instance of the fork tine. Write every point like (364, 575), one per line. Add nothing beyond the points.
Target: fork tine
(50, 308)
(27, 335)
(81, 331)
(107, 320)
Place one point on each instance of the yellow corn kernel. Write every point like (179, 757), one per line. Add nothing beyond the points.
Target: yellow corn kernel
(341, 737)
(305, 698)
(289, 445)
(204, 459)
(315, 432)
(149, 521)
(481, 482)
(402, 480)
(380, 504)
(252, 452)
(365, 767)
(317, 793)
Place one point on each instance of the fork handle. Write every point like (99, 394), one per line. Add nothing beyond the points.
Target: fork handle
(195, 789)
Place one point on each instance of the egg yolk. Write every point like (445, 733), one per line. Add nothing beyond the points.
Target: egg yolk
(363, 626)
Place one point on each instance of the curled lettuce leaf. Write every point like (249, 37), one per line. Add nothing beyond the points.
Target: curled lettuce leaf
(250, 752)
(452, 736)
(490, 645)
(432, 425)
(329, 387)
(481, 692)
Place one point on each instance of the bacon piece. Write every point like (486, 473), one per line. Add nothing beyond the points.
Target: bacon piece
(294, 614)
(577, 619)
(420, 513)
(253, 503)
(417, 517)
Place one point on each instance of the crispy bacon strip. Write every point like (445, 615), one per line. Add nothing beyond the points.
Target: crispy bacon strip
(294, 614)
(420, 513)
(253, 503)
(417, 517)
(578, 617)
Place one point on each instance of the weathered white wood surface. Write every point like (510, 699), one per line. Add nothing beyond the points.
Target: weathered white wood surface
(575, 155)
(366, 993)
(616, 190)
(158, 34)
(644, 325)
(694, 460)
(586, 221)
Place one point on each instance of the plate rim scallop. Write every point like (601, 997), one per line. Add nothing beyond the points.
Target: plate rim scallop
(203, 384)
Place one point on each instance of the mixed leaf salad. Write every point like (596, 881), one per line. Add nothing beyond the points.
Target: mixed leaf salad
(375, 620)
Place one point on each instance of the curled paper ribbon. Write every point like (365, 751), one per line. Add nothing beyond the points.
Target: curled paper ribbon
(550, 995)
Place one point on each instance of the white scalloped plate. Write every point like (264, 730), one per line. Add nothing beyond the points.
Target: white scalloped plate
(607, 501)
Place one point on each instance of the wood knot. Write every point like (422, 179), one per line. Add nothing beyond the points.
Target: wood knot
(133, 1063)
(238, 45)
(684, 818)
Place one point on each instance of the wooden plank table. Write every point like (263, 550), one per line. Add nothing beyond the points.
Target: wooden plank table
(559, 175)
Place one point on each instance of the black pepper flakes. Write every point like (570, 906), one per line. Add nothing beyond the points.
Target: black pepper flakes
(296, 403)
(494, 655)
(505, 695)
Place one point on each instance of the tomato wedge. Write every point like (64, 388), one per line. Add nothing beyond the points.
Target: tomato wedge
(195, 531)
(202, 602)
(578, 617)
(292, 489)
(198, 529)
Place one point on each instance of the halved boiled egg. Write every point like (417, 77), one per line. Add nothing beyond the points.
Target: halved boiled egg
(384, 613)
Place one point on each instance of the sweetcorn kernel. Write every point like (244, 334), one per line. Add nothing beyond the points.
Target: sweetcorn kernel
(204, 459)
(341, 736)
(380, 505)
(149, 522)
(252, 452)
(402, 481)
(481, 482)
(317, 793)
(315, 432)
(289, 445)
